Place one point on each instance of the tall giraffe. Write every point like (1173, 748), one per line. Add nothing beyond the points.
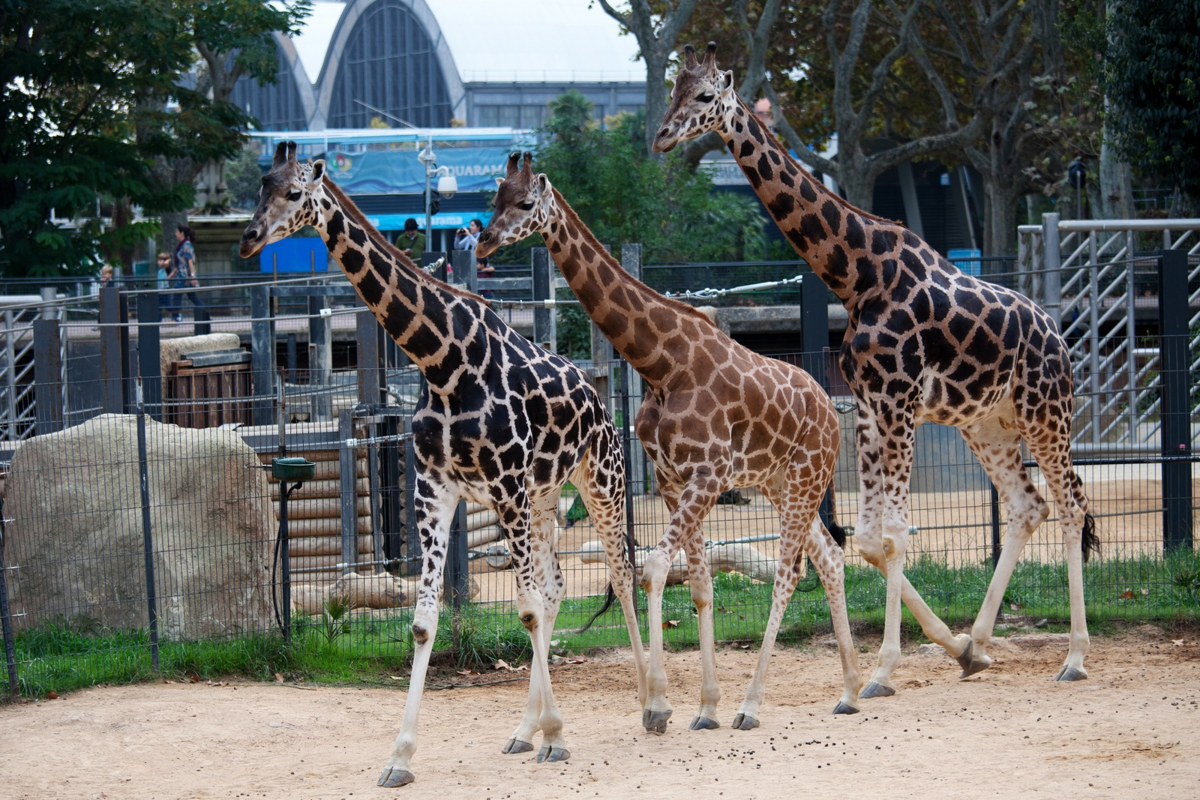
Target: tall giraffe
(501, 423)
(924, 343)
(716, 416)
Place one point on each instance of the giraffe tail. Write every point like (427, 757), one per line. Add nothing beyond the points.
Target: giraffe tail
(1090, 541)
(611, 594)
(838, 533)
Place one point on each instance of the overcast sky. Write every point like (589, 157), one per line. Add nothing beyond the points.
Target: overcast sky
(504, 40)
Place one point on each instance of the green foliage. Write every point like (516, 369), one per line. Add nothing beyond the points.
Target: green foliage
(1153, 81)
(243, 176)
(626, 197)
(99, 107)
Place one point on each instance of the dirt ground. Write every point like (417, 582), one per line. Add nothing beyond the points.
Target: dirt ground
(1130, 730)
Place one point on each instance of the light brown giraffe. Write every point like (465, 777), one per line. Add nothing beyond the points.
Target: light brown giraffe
(716, 416)
(499, 422)
(924, 343)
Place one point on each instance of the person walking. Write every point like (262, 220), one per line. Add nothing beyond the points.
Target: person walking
(185, 269)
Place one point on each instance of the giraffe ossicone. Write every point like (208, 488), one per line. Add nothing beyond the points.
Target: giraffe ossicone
(924, 343)
(500, 422)
(716, 416)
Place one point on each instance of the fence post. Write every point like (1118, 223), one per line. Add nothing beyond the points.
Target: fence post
(368, 337)
(262, 344)
(631, 262)
(463, 262)
(814, 343)
(10, 649)
(47, 376)
(147, 538)
(201, 321)
(412, 535)
(114, 350)
(348, 471)
(1176, 427)
(320, 354)
(457, 572)
(1051, 262)
(149, 350)
(543, 318)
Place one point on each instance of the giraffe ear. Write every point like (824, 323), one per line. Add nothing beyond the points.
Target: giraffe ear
(318, 172)
(499, 182)
(726, 80)
(542, 183)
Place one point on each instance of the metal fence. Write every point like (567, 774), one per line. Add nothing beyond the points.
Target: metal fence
(143, 514)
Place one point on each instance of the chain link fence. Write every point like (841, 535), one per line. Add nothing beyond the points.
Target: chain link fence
(243, 493)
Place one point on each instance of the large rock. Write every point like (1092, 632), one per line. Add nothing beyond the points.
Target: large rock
(76, 533)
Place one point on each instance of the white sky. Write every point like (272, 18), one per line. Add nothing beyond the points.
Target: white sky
(506, 40)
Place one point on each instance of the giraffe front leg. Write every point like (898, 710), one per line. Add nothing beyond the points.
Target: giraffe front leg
(654, 578)
(544, 564)
(700, 582)
(433, 508)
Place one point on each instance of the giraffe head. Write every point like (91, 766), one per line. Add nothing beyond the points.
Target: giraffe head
(288, 200)
(701, 101)
(522, 204)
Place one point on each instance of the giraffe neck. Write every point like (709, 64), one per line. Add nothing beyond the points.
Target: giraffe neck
(841, 243)
(642, 324)
(413, 307)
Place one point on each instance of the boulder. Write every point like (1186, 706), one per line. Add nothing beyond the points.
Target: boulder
(76, 535)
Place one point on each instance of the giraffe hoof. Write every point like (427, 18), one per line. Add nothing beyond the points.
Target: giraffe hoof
(515, 746)
(972, 662)
(877, 690)
(845, 708)
(744, 723)
(704, 724)
(1071, 674)
(549, 753)
(393, 777)
(655, 721)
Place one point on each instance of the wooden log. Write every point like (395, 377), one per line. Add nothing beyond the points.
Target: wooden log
(329, 526)
(744, 559)
(324, 488)
(322, 507)
(326, 545)
(379, 590)
(593, 553)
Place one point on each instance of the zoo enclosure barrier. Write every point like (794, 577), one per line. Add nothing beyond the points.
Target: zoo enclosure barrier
(142, 539)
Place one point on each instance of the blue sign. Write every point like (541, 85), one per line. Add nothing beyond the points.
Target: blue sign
(447, 221)
(965, 261)
(295, 254)
(399, 171)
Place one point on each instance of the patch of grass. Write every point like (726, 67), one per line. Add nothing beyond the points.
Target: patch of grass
(340, 646)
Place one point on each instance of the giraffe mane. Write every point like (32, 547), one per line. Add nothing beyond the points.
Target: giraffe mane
(394, 252)
(785, 153)
(574, 221)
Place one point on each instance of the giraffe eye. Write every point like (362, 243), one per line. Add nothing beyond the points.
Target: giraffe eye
(526, 206)
(705, 97)
(294, 194)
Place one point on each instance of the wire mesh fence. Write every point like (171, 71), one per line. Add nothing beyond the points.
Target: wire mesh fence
(147, 524)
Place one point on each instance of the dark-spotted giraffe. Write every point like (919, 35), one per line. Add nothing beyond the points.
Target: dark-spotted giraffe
(925, 343)
(716, 416)
(501, 423)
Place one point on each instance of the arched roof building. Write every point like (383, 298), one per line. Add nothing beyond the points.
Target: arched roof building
(437, 63)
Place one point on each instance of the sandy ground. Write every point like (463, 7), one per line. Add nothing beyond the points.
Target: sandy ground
(1131, 729)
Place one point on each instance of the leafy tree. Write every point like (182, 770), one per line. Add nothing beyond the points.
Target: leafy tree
(1153, 80)
(229, 39)
(71, 71)
(244, 177)
(624, 196)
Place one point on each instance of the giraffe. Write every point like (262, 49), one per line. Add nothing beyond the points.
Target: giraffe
(925, 342)
(500, 422)
(716, 416)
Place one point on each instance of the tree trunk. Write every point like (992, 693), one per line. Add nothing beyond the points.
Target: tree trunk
(855, 180)
(656, 96)
(1000, 227)
(1116, 183)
